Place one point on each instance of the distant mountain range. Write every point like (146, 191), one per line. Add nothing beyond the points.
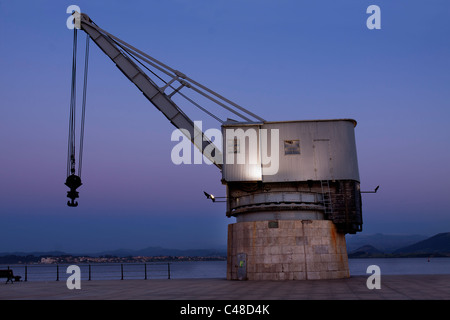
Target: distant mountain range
(159, 251)
(437, 246)
(358, 246)
(366, 252)
(146, 252)
(386, 243)
(439, 243)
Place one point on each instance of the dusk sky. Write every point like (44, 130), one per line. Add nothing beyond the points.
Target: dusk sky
(283, 60)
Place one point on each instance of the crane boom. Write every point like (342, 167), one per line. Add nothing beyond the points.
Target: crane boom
(126, 58)
(114, 49)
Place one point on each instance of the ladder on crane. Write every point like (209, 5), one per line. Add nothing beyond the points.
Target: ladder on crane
(326, 197)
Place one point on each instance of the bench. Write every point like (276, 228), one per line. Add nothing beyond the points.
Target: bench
(9, 275)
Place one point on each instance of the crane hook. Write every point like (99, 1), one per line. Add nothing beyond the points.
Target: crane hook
(73, 182)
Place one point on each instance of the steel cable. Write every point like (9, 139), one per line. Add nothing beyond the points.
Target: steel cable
(83, 107)
(71, 142)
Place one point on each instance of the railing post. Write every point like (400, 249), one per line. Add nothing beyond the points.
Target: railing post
(57, 272)
(26, 273)
(145, 270)
(168, 269)
(121, 270)
(89, 273)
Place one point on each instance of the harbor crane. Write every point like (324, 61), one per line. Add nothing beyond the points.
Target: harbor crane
(293, 202)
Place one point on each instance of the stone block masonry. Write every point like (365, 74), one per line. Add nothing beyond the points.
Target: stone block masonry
(286, 250)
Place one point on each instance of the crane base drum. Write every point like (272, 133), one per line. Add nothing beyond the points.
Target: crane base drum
(286, 250)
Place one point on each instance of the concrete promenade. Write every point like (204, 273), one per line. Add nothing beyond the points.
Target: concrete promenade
(393, 287)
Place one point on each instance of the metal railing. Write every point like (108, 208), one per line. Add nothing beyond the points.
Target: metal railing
(92, 271)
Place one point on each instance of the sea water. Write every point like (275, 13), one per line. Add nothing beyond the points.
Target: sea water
(211, 269)
(399, 266)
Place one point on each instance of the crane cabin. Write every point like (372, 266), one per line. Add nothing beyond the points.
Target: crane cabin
(293, 170)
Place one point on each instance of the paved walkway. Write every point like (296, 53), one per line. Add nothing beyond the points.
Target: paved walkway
(405, 287)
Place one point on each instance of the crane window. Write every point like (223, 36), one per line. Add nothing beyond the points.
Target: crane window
(233, 145)
(291, 147)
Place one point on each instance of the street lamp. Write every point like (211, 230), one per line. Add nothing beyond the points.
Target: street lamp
(374, 191)
(212, 197)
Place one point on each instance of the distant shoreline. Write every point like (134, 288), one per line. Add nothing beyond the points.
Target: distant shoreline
(69, 259)
(65, 259)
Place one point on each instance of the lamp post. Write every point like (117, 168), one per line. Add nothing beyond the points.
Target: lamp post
(374, 191)
(213, 198)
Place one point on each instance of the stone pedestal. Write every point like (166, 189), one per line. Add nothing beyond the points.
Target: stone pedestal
(286, 250)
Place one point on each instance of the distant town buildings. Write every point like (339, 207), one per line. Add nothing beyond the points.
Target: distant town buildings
(113, 259)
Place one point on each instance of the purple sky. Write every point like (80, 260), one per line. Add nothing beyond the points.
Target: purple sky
(283, 60)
